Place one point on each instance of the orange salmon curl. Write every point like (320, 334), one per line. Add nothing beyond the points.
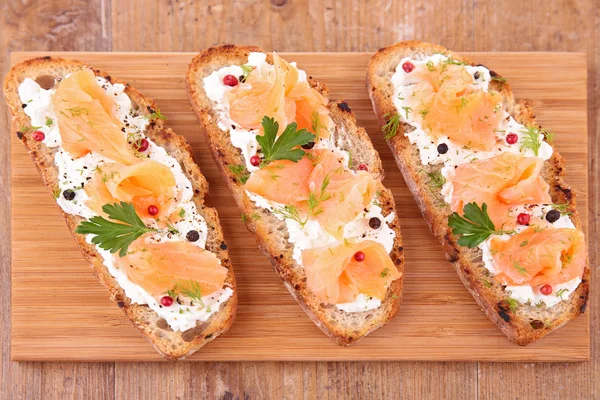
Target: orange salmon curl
(539, 257)
(280, 95)
(335, 276)
(85, 119)
(143, 184)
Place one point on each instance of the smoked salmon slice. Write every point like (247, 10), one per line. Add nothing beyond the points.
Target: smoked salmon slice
(159, 267)
(281, 96)
(445, 102)
(318, 186)
(335, 277)
(143, 184)
(282, 181)
(539, 257)
(501, 181)
(86, 121)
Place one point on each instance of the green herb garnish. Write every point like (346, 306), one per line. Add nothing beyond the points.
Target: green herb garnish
(291, 212)
(519, 268)
(284, 146)
(49, 121)
(560, 293)
(563, 209)
(246, 70)
(463, 104)
(189, 288)
(156, 115)
(28, 129)
(512, 304)
(391, 126)
(407, 110)
(499, 79)
(437, 180)
(385, 272)
(113, 236)
(531, 138)
(240, 172)
(474, 226)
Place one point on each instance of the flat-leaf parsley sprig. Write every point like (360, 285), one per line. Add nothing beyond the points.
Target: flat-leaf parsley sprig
(115, 236)
(284, 147)
(475, 226)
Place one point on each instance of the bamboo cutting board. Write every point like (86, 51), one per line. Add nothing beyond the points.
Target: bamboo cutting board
(61, 312)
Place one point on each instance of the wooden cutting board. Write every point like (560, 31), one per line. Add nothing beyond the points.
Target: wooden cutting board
(61, 312)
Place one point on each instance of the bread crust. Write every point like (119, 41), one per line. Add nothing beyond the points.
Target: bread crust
(523, 324)
(270, 233)
(171, 344)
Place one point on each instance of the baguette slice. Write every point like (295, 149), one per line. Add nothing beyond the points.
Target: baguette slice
(171, 344)
(343, 328)
(522, 324)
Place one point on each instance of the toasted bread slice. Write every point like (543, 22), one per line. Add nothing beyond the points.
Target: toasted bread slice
(521, 323)
(271, 233)
(171, 344)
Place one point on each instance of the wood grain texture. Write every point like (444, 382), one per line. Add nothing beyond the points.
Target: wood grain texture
(438, 318)
(568, 25)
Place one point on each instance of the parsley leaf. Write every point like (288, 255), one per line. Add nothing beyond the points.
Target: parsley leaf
(282, 147)
(474, 226)
(111, 235)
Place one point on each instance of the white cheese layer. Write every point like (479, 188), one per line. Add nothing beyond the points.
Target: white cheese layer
(74, 173)
(312, 234)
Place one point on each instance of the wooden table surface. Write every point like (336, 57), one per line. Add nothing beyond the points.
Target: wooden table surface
(297, 25)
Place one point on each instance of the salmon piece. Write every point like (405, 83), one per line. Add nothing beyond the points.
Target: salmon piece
(281, 96)
(346, 194)
(282, 181)
(540, 257)
(86, 121)
(501, 181)
(334, 276)
(446, 104)
(301, 185)
(158, 267)
(143, 184)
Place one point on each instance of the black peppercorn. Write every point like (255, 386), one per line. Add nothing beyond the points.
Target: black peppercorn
(308, 145)
(223, 246)
(476, 75)
(442, 148)
(552, 216)
(192, 236)
(375, 223)
(69, 194)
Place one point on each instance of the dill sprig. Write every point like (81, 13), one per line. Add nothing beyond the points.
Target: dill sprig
(189, 288)
(532, 139)
(391, 126)
(437, 180)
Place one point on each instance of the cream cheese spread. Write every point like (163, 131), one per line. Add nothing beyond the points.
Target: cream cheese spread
(74, 173)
